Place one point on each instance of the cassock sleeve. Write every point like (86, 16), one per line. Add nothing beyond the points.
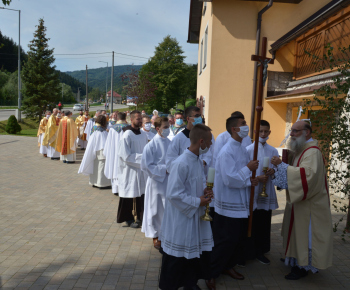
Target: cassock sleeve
(176, 191)
(109, 152)
(217, 148)
(87, 164)
(131, 159)
(232, 176)
(304, 181)
(154, 170)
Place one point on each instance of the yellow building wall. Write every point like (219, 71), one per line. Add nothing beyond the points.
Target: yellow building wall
(227, 82)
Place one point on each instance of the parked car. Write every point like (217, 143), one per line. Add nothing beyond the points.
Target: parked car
(78, 107)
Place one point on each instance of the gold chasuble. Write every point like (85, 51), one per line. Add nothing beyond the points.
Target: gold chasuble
(51, 132)
(66, 137)
(42, 127)
(80, 122)
(308, 200)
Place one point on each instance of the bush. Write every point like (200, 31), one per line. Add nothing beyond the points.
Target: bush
(12, 126)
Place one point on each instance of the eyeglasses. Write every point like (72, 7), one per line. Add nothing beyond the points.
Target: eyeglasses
(294, 131)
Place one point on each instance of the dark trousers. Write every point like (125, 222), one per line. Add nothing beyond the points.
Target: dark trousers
(229, 243)
(261, 231)
(181, 272)
(125, 209)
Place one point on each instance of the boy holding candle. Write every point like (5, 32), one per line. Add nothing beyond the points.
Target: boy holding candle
(263, 206)
(186, 240)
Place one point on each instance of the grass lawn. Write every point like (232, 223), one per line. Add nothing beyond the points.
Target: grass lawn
(8, 107)
(29, 128)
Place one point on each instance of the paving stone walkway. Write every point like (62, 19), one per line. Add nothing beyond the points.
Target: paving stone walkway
(57, 232)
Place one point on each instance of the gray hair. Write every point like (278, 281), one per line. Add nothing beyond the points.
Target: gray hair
(98, 111)
(48, 111)
(170, 116)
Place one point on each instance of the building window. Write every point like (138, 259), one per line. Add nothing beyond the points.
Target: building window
(205, 47)
(201, 58)
(204, 8)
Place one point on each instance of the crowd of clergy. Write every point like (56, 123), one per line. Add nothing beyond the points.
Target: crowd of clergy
(169, 172)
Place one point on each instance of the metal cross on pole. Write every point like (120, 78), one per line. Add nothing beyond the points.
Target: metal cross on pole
(264, 61)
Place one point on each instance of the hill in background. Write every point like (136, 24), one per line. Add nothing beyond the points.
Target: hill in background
(97, 76)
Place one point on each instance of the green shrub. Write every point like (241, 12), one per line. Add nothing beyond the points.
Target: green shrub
(12, 126)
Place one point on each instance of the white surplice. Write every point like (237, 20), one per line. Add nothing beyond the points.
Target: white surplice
(111, 153)
(232, 181)
(88, 128)
(150, 134)
(222, 139)
(43, 149)
(93, 162)
(131, 180)
(153, 163)
(183, 233)
(270, 202)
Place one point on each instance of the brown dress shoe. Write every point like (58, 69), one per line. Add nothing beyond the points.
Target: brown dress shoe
(210, 284)
(232, 273)
(156, 243)
(45, 155)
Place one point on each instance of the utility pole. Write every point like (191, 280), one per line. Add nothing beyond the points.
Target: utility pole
(62, 92)
(87, 97)
(78, 98)
(112, 82)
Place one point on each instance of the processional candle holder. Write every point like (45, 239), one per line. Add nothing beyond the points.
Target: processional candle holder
(210, 185)
(265, 168)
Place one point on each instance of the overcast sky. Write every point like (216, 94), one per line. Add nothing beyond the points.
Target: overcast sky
(131, 27)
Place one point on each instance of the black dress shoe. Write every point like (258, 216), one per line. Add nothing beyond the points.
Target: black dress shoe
(64, 161)
(70, 162)
(296, 273)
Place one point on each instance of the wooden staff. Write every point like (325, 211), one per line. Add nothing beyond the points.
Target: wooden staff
(264, 61)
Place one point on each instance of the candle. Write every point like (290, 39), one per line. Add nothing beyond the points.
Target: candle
(266, 162)
(211, 174)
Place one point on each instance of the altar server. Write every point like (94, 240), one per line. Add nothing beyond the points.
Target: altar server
(186, 239)
(223, 138)
(146, 127)
(232, 193)
(90, 124)
(131, 180)
(263, 206)
(111, 151)
(93, 162)
(153, 163)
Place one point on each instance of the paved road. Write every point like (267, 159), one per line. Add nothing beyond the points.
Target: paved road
(5, 114)
(57, 232)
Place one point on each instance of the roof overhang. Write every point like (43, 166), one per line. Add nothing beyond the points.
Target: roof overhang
(195, 19)
(315, 19)
(278, 1)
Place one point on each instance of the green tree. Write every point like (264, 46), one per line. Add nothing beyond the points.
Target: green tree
(331, 125)
(6, 2)
(167, 68)
(9, 89)
(188, 87)
(39, 75)
(12, 126)
(68, 96)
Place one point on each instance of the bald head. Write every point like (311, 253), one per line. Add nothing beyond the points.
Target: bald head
(301, 128)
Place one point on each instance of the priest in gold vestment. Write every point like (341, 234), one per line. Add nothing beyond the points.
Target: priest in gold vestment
(67, 138)
(41, 133)
(307, 224)
(51, 135)
(81, 122)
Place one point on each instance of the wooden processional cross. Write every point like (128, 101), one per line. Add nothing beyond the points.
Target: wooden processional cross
(264, 61)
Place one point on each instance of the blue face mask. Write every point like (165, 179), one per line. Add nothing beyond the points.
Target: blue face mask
(197, 120)
(179, 122)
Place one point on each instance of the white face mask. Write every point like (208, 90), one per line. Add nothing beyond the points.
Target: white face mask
(59, 115)
(48, 116)
(165, 132)
(203, 151)
(244, 130)
(148, 126)
(263, 140)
